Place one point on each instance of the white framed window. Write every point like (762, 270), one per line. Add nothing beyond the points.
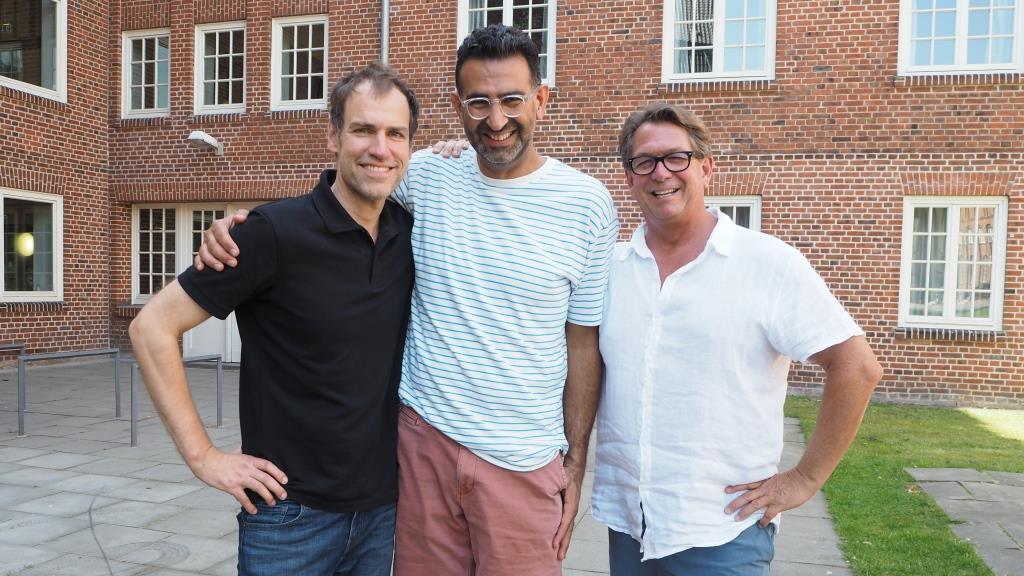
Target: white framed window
(535, 17)
(165, 239)
(954, 36)
(32, 245)
(730, 39)
(220, 68)
(954, 253)
(145, 69)
(743, 210)
(33, 47)
(299, 62)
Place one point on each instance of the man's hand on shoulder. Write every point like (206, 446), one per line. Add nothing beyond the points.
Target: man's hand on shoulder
(234, 473)
(450, 148)
(218, 247)
(779, 493)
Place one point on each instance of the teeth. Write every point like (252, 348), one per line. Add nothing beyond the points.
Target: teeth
(376, 168)
(499, 137)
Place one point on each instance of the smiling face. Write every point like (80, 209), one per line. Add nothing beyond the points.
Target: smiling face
(372, 148)
(668, 197)
(504, 145)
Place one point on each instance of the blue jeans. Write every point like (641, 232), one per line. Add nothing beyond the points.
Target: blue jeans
(749, 554)
(289, 538)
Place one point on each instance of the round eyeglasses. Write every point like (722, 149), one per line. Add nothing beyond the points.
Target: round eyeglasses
(674, 162)
(511, 105)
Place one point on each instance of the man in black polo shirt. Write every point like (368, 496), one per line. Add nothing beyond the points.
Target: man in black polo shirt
(321, 355)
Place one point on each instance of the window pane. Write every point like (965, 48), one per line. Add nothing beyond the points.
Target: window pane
(755, 8)
(755, 58)
(939, 220)
(162, 72)
(967, 220)
(936, 275)
(922, 52)
(702, 61)
(977, 51)
(920, 219)
(977, 23)
(734, 8)
(683, 37)
(734, 33)
(1002, 22)
(137, 50)
(944, 52)
(286, 89)
(288, 37)
(705, 9)
(317, 62)
(302, 37)
(32, 56)
(922, 25)
(983, 280)
(704, 33)
(938, 251)
(211, 44)
(316, 88)
(917, 275)
(934, 303)
(963, 304)
(742, 216)
(302, 63)
(684, 10)
(923, 4)
(136, 103)
(920, 247)
(982, 304)
(209, 68)
(1002, 51)
(302, 88)
(237, 92)
(318, 36)
(682, 62)
(163, 49)
(28, 246)
(917, 298)
(733, 59)
(755, 32)
(945, 23)
(237, 67)
(964, 276)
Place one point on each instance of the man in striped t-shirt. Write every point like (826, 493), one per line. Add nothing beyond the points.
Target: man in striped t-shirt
(511, 252)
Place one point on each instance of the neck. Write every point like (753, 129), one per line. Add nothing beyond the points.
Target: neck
(364, 211)
(531, 161)
(686, 236)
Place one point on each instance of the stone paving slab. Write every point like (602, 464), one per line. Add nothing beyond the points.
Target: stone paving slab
(989, 507)
(151, 516)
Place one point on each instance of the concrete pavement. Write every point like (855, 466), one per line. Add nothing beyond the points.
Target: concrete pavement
(75, 498)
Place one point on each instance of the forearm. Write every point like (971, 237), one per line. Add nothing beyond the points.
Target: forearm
(154, 334)
(850, 380)
(582, 392)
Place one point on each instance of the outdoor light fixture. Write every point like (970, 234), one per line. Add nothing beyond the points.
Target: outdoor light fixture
(204, 141)
(25, 244)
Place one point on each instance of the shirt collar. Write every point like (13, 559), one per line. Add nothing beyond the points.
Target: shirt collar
(720, 240)
(336, 219)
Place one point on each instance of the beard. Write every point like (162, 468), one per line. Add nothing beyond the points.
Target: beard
(504, 156)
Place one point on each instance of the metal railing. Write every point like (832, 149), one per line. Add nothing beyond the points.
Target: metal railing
(24, 359)
(19, 346)
(133, 395)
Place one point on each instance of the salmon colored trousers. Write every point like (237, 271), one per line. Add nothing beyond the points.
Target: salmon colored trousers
(459, 515)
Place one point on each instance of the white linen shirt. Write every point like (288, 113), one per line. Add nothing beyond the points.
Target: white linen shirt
(695, 380)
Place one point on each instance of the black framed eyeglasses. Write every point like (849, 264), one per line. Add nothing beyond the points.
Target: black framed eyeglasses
(674, 162)
(511, 105)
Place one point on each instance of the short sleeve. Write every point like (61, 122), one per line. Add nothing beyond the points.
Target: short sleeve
(404, 194)
(807, 318)
(221, 292)
(586, 303)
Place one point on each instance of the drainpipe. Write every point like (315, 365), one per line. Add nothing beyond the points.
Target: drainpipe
(385, 29)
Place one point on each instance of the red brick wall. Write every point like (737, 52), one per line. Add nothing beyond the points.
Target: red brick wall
(832, 146)
(58, 148)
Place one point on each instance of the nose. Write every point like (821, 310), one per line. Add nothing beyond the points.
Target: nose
(379, 145)
(496, 120)
(661, 173)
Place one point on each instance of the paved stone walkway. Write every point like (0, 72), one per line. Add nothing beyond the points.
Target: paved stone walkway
(990, 506)
(73, 491)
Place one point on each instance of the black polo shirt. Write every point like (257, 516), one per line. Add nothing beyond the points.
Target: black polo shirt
(322, 313)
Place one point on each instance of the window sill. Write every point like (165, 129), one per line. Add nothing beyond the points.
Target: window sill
(130, 122)
(127, 310)
(949, 334)
(718, 85)
(958, 79)
(217, 117)
(34, 307)
(53, 102)
(297, 113)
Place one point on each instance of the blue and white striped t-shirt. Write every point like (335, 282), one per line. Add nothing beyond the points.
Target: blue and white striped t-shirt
(501, 266)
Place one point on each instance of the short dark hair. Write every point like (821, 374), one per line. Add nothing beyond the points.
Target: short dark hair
(668, 114)
(496, 42)
(382, 79)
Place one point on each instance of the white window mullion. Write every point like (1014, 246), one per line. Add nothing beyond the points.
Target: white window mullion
(952, 262)
(718, 38)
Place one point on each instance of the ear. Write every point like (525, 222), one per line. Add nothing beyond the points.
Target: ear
(332, 138)
(457, 105)
(543, 95)
(630, 177)
(706, 169)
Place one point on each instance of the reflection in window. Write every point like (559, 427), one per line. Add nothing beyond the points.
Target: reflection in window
(28, 246)
(28, 42)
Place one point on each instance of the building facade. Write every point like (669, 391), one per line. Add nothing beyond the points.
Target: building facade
(884, 139)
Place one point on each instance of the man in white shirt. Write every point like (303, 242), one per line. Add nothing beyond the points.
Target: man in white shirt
(701, 320)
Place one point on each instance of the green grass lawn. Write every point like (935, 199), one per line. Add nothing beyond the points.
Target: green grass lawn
(887, 525)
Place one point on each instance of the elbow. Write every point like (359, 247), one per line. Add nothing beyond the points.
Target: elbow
(871, 372)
